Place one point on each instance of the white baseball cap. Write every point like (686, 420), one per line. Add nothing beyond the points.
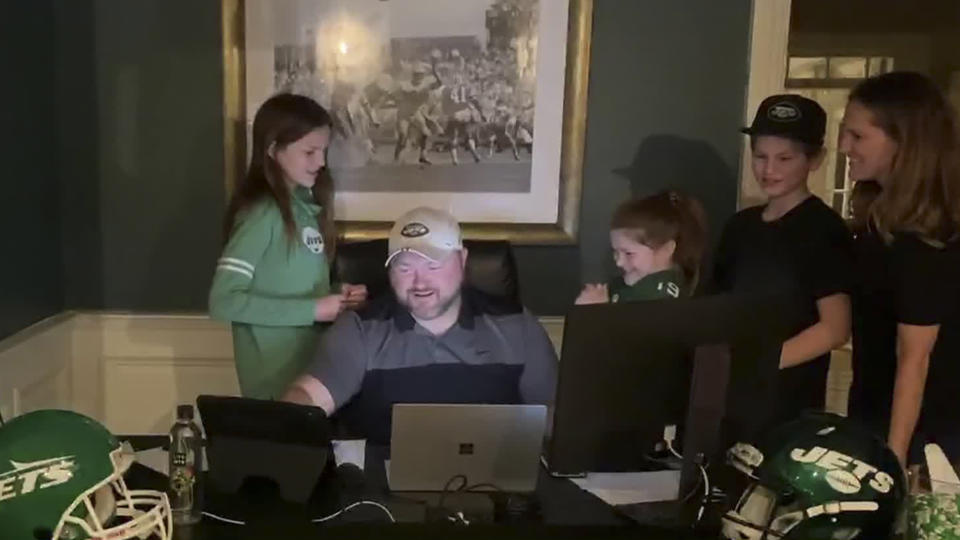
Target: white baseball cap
(433, 234)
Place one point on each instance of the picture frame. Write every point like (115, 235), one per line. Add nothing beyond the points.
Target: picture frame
(547, 213)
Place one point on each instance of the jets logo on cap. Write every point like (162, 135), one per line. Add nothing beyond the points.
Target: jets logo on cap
(414, 230)
(783, 112)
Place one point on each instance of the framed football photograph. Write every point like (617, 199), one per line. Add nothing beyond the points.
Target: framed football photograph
(474, 106)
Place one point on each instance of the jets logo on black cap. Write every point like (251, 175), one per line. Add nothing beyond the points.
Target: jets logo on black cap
(414, 230)
(791, 116)
(783, 112)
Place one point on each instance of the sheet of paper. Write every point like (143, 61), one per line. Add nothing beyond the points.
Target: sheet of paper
(631, 488)
(350, 451)
(154, 458)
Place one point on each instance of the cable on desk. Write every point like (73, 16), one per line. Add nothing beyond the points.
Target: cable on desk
(457, 516)
(223, 519)
(475, 487)
(673, 450)
(351, 507)
(318, 520)
(446, 488)
(706, 493)
(705, 481)
(463, 488)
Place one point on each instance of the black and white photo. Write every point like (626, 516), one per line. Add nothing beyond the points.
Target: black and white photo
(456, 104)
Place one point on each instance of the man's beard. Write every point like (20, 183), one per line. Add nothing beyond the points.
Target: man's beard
(441, 307)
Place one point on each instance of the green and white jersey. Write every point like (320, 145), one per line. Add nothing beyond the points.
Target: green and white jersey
(267, 285)
(658, 285)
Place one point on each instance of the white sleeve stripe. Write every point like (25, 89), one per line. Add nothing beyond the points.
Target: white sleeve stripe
(236, 269)
(237, 262)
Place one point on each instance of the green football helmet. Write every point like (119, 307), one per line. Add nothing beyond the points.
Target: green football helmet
(61, 477)
(821, 476)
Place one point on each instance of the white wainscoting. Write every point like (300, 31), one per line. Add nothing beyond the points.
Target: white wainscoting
(35, 367)
(129, 371)
(126, 370)
(153, 362)
(770, 29)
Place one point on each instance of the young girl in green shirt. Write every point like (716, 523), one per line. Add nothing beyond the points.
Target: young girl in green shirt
(657, 244)
(272, 281)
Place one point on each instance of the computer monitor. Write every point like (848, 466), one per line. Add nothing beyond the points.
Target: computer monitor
(627, 371)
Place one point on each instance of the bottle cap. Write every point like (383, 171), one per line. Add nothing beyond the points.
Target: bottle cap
(185, 412)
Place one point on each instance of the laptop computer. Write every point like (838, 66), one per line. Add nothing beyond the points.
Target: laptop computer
(494, 445)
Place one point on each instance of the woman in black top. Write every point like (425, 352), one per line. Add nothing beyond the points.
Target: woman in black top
(793, 245)
(900, 130)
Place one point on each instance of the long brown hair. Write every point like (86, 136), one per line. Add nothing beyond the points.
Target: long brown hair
(281, 120)
(669, 215)
(922, 192)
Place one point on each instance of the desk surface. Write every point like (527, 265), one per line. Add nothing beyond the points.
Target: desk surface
(565, 511)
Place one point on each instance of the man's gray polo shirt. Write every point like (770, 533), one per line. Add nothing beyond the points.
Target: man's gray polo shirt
(379, 356)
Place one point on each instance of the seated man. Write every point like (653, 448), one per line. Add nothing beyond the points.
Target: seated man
(434, 340)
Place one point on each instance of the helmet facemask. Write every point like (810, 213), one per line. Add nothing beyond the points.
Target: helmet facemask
(110, 510)
(762, 514)
(767, 512)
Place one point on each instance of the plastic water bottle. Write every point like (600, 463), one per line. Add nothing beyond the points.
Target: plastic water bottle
(186, 478)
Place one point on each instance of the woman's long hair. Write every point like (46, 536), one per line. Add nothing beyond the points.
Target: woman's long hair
(921, 195)
(281, 120)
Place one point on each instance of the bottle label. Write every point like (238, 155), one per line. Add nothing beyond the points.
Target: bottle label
(182, 480)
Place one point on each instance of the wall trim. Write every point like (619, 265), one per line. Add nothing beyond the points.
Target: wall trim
(125, 369)
(769, 36)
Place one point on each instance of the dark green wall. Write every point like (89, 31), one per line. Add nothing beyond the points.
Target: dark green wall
(78, 136)
(141, 146)
(30, 243)
(667, 89)
(160, 151)
(137, 128)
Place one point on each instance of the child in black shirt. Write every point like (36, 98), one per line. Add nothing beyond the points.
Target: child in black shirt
(794, 245)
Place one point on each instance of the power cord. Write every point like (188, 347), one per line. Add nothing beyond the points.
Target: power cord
(457, 516)
(352, 506)
(334, 515)
(447, 488)
(669, 435)
(223, 519)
